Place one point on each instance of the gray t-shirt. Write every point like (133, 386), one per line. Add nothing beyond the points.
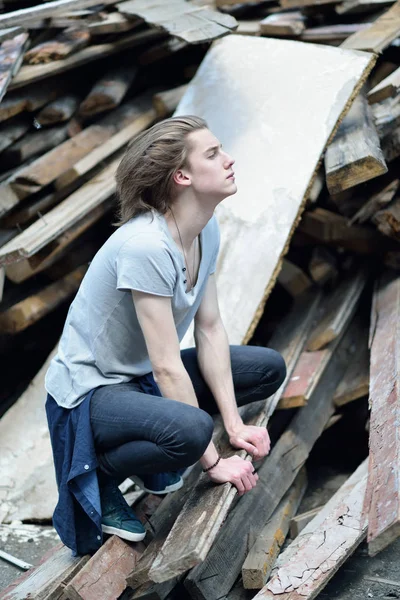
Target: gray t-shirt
(102, 342)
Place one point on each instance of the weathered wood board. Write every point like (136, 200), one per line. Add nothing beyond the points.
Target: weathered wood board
(387, 88)
(191, 23)
(379, 35)
(11, 55)
(382, 501)
(28, 489)
(253, 125)
(331, 537)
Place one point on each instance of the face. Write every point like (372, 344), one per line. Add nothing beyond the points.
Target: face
(210, 169)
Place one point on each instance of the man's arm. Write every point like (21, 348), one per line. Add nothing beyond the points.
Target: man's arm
(156, 321)
(214, 362)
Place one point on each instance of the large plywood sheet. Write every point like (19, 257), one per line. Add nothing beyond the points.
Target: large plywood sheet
(274, 105)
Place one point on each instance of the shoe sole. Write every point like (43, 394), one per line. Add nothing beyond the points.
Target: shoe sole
(170, 488)
(122, 533)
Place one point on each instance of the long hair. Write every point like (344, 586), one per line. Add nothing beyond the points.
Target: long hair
(145, 174)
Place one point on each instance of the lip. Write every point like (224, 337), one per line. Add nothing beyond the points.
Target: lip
(231, 176)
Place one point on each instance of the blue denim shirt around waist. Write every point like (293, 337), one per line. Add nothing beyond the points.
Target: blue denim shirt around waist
(77, 516)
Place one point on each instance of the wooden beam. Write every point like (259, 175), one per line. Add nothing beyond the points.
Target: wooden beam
(43, 259)
(388, 219)
(305, 376)
(58, 111)
(377, 201)
(33, 144)
(382, 500)
(13, 131)
(30, 100)
(323, 266)
(166, 102)
(331, 33)
(62, 217)
(355, 155)
(112, 23)
(283, 24)
(10, 32)
(332, 537)
(32, 73)
(355, 383)
(47, 580)
(379, 35)
(262, 555)
(96, 156)
(45, 10)
(388, 88)
(109, 91)
(66, 43)
(289, 339)
(94, 580)
(192, 24)
(328, 227)
(361, 6)
(27, 312)
(293, 279)
(339, 309)
(11, 55)
(386, 116)
(215, 577)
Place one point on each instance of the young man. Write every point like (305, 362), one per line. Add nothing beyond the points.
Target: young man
(123, 399)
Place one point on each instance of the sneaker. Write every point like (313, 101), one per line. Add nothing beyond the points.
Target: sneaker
(159, 483)
(117, 516)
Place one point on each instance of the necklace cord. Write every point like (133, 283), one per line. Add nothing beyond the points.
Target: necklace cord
(191, 278)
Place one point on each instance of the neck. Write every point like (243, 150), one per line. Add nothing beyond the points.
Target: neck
(191, 218)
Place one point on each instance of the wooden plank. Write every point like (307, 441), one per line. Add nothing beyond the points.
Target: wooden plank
(47, 580)
(386, 115)
(293, 279)
(66, 43)
(32, 99)
(104, 575)
(215, 577)
(113, 23)
(10, 32)
(27, 312)
(116, 142)
(387, 88)
(289, 340)
(379, 35)
(298, 523)
(339, 309)
(305, 376)
(166, 102)
(109, 91)
(262, 555)
(361, 6)
(302, 3)
(331, 33)
(58, 111)
(192, 24)
(377, 201)
(388, 219)
(355, 155)
(327, 227)
(355, 383)
(382, 501)
(96, 191)
(32, 73)
(47, 9)
(318, 556)
(323, 266)
(34, 143)
(13, 131)
(282, 24)
(11, 55)
(240, 62)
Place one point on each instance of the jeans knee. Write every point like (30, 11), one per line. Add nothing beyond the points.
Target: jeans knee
(197, 436)
(280, 367)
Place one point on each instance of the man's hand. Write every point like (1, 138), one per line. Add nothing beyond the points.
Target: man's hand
(237, 471)
(255, 440)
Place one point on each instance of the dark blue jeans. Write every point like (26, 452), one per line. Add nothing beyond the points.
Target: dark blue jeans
(138, 433)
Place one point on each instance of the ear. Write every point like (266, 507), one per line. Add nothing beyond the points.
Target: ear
(181, 178)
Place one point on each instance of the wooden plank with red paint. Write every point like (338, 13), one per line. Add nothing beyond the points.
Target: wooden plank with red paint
(382, 502)
(302, 382)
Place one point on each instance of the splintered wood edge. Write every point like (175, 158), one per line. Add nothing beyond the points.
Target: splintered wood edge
(260, 309)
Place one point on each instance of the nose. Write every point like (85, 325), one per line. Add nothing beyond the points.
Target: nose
(229, 161)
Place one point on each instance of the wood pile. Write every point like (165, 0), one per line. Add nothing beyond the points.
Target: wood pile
(315, 130)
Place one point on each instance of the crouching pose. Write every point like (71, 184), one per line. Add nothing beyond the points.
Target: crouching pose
(123, 399)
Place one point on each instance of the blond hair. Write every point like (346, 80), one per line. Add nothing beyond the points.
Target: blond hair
(145, 173)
